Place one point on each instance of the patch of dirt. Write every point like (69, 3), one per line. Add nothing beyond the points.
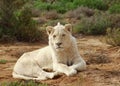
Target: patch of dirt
(103, 63)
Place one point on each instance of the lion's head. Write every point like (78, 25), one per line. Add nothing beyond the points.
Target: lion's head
(60, 36)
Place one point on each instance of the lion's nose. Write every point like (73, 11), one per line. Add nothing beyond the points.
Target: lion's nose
(58, 43)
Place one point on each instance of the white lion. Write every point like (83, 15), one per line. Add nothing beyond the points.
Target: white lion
(61, 56)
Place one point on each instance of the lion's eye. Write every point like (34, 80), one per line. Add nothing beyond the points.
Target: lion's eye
(63, 35)
(54, 36)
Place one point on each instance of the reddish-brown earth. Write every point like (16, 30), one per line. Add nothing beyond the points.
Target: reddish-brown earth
(103, 63)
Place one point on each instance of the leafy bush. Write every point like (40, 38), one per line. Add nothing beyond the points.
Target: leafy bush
(8, 19)
(27, 28)
(111, 2)
(114, 20)
(51, 15)
(115, 8)
(59, 6)
(23, 83)
(16, 21)
(94, 25)
(96, 4)
(36, 12)
(80, 12)
(7, 39)
(42, 5)
(113, 36)
(62, 6)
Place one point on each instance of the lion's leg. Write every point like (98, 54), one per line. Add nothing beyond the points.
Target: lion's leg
(19, 76)
(62, 68)
(46, 74)
(79, 65)
(34, 75)
(31, 72)
(40, 75)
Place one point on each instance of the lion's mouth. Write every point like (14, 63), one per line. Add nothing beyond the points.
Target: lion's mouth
(59, 47)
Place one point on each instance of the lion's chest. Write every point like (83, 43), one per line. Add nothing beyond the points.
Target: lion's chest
(66, 58)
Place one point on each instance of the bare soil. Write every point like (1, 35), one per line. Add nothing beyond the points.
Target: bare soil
(103, 63)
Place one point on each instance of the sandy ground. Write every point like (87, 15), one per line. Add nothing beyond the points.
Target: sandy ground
(103, 63)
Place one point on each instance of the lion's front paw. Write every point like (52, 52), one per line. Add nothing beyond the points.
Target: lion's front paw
(72, 72)
(51, 75)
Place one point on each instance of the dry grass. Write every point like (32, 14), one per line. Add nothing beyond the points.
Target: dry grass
(52, 15)
(113, 36)
(80, 12)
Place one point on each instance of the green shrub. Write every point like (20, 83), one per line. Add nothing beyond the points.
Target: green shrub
(115, 8)
(59, 6)
(36, 12)
(114, 20)
(23, 83)
(113, 36)
(80, 12)
(96, 4)
(94, 25)
(3, 61)
(16, 21)
(7, 19)
(1, 30)
(51, 15)
(26, 28)
(42, 5)
(111, 2)
(62, 6)
(7, 39)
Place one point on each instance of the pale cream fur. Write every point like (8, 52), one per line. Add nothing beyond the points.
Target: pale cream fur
(61, 55)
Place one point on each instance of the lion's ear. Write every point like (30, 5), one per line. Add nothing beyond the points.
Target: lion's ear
(68, 27)
(49, 29)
